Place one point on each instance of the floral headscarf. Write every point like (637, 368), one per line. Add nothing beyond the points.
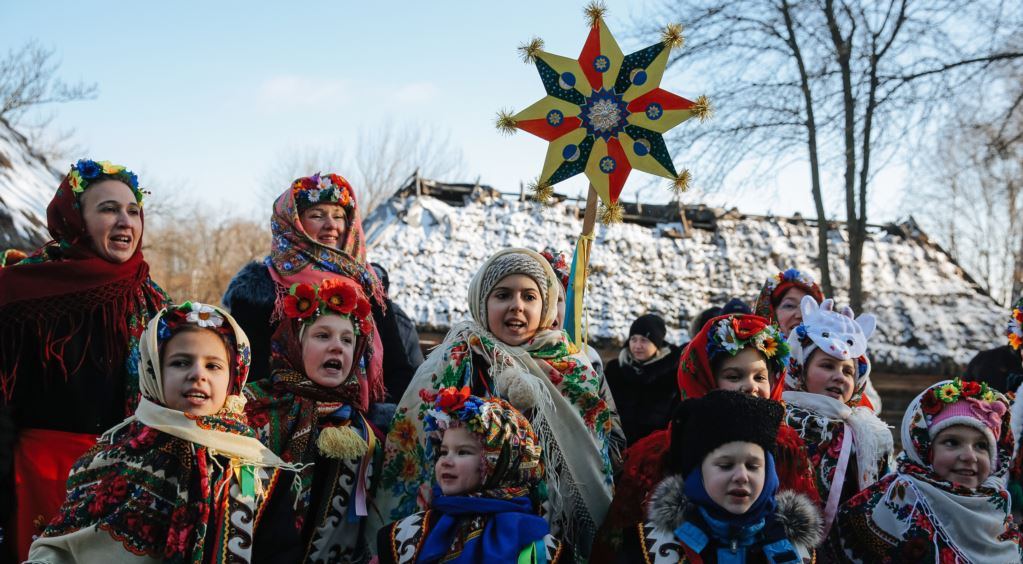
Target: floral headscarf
(1015, 329)
(568, 406)
(51, 295)
(511, 451)
(295, 257)
(729, 335)
(776, 286)
(919, 516)
(152, 482)
(170, 322)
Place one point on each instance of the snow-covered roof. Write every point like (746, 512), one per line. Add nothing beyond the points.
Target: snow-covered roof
(931, 316)
(27, 184)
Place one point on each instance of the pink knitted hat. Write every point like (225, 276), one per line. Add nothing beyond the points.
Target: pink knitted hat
(982, 415)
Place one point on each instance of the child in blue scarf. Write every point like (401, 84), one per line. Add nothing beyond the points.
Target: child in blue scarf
(488, 472)
(721, 503)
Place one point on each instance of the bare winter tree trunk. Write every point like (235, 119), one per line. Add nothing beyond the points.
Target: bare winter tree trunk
(843, 52)
(811, 141)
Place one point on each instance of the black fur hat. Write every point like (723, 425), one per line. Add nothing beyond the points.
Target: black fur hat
(701, 425)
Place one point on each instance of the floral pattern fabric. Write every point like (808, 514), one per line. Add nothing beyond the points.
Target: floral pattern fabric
(158, 495)
(914, 515)
(408, 470)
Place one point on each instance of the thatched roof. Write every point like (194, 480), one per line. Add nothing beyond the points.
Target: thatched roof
(932, 317)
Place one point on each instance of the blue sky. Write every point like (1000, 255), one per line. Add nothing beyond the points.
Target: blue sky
(201, 98)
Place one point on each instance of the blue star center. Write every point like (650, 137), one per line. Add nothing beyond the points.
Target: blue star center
(603, 114)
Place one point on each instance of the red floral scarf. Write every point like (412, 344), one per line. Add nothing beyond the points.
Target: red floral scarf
(50, 297)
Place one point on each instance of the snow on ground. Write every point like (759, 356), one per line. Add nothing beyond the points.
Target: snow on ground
(27, 183)
(930, 316)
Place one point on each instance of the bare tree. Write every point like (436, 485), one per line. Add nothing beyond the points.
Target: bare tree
(390, 153)
(28, 82)
(976, 179)
(193, 254)
(848, 81)
(28, 78)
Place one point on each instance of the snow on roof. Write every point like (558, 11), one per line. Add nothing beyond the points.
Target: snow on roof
(27, 184)
(931, 316)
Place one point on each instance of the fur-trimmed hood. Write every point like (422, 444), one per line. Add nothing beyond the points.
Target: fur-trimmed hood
(799, 517)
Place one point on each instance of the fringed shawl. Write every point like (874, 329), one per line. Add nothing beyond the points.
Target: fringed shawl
(156, 482)
(914, 515)
(63, 292)
(546, 378)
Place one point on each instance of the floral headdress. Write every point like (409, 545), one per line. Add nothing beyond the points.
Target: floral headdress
(511, 450)
(956, 402)
(729, 335)
(559, 263)
(776, 286)
(1015, 329)
(322, 189)
(734, 334)
(86, 171)
(170, 321)
(340, 296)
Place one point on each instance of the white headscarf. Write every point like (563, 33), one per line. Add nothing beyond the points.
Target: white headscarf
(969, 522)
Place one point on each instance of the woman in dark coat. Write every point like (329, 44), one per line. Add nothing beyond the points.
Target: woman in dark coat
(643, 379)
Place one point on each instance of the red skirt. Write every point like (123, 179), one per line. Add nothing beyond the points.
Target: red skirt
(42, 460)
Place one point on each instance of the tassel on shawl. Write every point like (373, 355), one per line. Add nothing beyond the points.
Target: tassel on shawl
(341, 442)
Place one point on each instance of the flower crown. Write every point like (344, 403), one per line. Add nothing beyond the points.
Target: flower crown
(333, 296)
(733, 334)
(559, 263)
(193, 313)
(207, 317)
(790, 275)
(450, 405)
(1015, 329)
(322, 189)
(85, 171)
(937, 398)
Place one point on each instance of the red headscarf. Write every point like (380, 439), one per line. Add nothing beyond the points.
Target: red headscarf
(776, 286)
(695, 377)
(49, 297)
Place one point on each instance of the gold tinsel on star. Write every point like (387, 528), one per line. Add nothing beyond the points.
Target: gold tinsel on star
(702, 108)
(672, 36)
(530, 49)
(542, 192)
(505, 122)
(594, 11)
(611, 214)
(681, 182)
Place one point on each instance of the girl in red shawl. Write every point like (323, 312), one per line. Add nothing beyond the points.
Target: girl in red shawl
(71, 315)
(734, 352)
